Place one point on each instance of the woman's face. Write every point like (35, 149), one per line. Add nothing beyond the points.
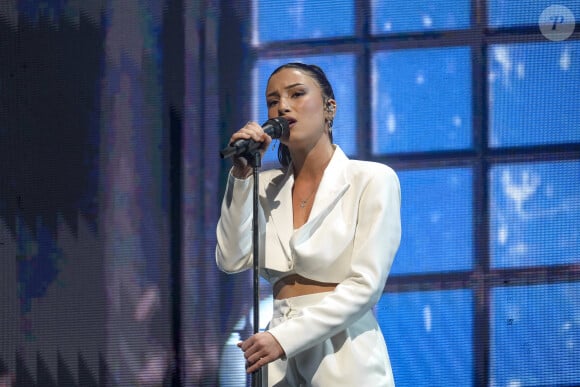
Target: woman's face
(298, 97)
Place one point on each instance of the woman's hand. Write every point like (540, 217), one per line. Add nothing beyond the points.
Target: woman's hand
(259, 350)
(252, 130)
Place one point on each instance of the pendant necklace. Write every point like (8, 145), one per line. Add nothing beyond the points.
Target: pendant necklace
(304, 201)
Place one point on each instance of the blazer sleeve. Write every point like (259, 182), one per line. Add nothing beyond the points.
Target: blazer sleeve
(376, 241)
(234, 227)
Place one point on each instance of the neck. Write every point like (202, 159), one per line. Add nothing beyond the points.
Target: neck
(310, 164)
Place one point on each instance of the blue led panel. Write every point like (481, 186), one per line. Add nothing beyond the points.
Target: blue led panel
(429, 337)
(508, 13)
(437, 217)
(340, 70)
(276, 20)
(421, 100)
(535, 214)
(534, 93)
(419, 15)
(535, 335)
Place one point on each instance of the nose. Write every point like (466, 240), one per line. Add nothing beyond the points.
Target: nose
(283, 106)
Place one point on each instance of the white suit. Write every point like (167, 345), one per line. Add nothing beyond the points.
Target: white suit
(350, 238)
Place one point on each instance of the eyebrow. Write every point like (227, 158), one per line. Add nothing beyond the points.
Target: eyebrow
(275, 93)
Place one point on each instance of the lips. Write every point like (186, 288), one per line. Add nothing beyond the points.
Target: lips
(291, 121)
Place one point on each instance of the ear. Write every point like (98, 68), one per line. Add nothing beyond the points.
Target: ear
(330, 110)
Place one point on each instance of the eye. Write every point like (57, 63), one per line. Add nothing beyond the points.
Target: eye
(271, 103)
(298, 93)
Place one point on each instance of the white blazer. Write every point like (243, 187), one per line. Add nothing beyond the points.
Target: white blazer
(350, 238)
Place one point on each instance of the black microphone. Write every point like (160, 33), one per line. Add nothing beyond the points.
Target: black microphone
(274, 127)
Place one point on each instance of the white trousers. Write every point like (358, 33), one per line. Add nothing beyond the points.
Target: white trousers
(356, 356)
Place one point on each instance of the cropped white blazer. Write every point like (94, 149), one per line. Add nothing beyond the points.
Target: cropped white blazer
(350, 238)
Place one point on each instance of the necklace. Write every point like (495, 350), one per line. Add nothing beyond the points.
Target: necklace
(304, 201)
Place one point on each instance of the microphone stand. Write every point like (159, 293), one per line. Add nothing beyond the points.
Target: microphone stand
(275, 128)
(256, 162)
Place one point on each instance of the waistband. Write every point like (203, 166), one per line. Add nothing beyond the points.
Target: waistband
(293, 305)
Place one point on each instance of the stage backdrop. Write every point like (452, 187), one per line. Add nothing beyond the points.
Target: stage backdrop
(84, 194)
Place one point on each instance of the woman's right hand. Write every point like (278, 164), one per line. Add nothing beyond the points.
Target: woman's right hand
(252, 130)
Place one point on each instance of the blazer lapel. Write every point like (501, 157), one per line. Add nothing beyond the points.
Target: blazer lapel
(281, 207)
(332, 186)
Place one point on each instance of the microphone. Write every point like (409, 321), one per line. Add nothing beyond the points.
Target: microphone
(275, 128)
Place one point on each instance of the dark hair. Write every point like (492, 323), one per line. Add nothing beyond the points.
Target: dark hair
(327, 93)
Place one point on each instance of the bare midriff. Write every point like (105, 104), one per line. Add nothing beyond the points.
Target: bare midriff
(295, 285)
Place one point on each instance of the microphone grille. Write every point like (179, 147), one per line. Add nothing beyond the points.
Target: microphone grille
(280, 126)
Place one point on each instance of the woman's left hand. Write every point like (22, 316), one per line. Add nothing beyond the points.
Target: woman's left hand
(259, 350)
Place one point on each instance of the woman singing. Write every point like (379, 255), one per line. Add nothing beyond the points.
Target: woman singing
(330, 228)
